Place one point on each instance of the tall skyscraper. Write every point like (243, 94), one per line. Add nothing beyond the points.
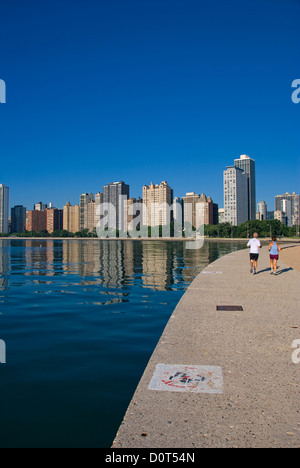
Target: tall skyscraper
(4, 208)
(221, 215)
(190, 208)
(115, 194)
(286, 208)
(236, 200)
(85, 199)
(99, 198)
(40, 206)
(36, 221)
(18, 219)
(178, 212)
(262, 210)
(280, 216)
(54, 219)
(215, 213)
(71, 218)
(208, 209)
(98, 202)
(89, 215)
(294, 198)
(248, 166)
(157, 200)
(133, 210)
(192, 203)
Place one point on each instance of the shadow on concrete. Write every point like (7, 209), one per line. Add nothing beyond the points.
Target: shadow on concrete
(289, 247)
(280, 272)
(263, 271)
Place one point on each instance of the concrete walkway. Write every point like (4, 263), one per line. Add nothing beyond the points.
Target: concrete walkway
(291, 256)
(260, 404)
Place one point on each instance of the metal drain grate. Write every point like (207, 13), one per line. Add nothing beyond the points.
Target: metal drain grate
(230, 308)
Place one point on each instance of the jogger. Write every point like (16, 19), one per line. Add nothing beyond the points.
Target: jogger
(274, 250)
(254, 245)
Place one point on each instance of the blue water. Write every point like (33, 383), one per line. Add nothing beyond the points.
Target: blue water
(80, 320)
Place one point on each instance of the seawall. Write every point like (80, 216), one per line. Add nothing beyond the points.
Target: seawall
(249, 394)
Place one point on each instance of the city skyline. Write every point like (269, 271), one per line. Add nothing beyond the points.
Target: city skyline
(158, 202)
(137, 194)
(167, 89)
(137, 190)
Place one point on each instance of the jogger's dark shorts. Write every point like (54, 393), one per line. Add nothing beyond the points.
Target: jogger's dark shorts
(254, 257)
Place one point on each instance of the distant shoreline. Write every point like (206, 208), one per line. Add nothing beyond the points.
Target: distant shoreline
(143, 239)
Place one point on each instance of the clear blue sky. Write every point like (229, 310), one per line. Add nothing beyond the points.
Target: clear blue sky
(147, 90)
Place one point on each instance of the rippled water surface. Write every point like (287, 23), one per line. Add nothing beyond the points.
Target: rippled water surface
(80, 320)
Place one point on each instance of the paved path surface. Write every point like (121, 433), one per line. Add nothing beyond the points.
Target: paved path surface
(259, 406)
(291, 256)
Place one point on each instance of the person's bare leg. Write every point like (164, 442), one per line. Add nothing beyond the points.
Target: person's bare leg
(272, 266)
(275, 266)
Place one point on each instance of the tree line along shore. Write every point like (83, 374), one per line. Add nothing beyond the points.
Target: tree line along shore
(265, 229)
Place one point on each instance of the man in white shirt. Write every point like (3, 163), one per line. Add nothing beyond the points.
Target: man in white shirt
(254, 245)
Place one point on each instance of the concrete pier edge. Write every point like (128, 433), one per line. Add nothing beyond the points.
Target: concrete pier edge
(259, 406)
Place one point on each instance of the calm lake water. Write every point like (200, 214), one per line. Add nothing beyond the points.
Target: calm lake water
(80, 320)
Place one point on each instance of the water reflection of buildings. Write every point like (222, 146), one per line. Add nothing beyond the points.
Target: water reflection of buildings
(154, 265)
(41, 258)
(108, 263)
(195, 260)
(157, 265)
(4, 264)
(114, 263)
(160, 265)
(165, 264)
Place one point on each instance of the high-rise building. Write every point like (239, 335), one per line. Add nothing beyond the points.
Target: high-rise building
(286, 208)
(248, 166)
(158, 201)
(280, 216)
(190, 209)
(54, 220)
(236, 200)
(208, 209)
(85, 199)
(178, 212)
(132, 212)
(18, 219)
(98, 202)
(115, 194)
(4, 208)
(89, 215)
(40, 206)
(199, 210)
(215, 213)
(36, 221)
(295, 206)
(262, 210)
(221, 215)
(98, 198)
(71, 218)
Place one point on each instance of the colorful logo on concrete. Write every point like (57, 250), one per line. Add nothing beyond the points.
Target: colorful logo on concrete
(183, 378)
